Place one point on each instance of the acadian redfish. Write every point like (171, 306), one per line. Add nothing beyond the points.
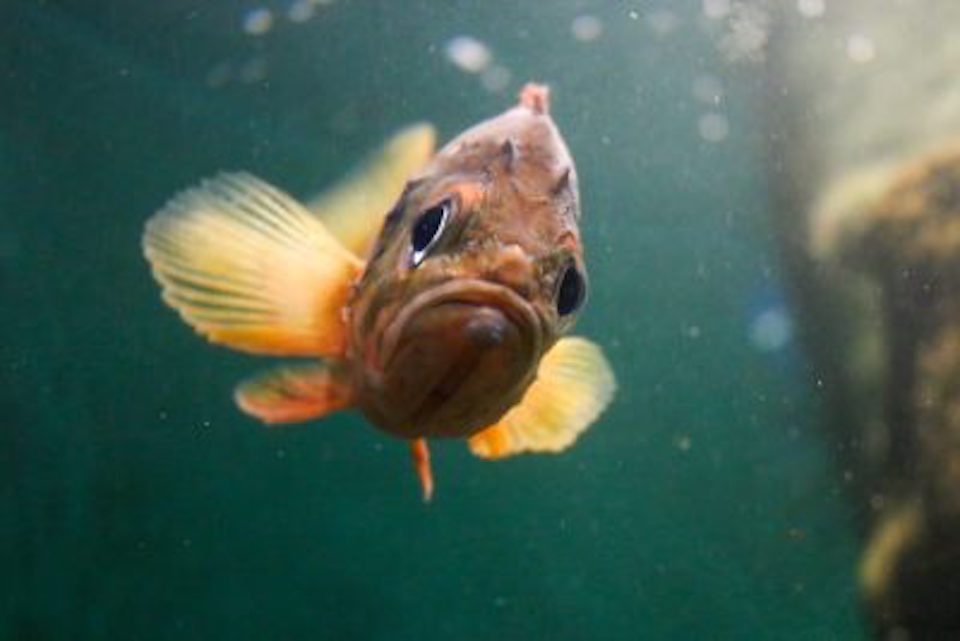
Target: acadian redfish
(451, 328)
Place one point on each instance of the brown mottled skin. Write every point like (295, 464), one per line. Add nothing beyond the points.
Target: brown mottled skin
(446, 347)
(910, 247)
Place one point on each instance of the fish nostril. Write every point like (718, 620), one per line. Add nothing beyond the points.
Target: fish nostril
(513, 269)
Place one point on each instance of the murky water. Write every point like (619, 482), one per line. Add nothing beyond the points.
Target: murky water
(138, 503)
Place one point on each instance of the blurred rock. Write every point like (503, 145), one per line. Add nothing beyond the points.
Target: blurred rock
(865, 167)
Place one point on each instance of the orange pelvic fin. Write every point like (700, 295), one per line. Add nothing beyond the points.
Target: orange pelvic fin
(294, 393)
(421, 463)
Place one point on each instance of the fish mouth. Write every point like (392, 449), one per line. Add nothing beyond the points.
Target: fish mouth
(474, 293)
(458, 355)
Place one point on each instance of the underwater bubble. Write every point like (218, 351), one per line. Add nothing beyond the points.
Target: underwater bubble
(811, 8)
(716, 9)
(586, 28)
(713, 127)
(496, 78)
(468, 54)
(633, 14)
(301, 11)
(771, 330)
(663, 21)
(258, 21)
(860, 48)
(747, 33)
(707, 89)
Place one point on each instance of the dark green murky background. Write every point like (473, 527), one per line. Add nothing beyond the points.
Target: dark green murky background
(138, 503)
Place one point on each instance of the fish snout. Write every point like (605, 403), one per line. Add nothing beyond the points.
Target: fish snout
(514, 269)
(456, 359)
(457, 367)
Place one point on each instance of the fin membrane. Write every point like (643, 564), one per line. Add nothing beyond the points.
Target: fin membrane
(355, 209)
(248, 267)
(574, 385)
(294, 393)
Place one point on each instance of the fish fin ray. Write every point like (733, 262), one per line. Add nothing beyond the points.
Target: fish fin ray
(355, 208)
(294, 393)
(247, 266)
(574, 385)
(420, 453)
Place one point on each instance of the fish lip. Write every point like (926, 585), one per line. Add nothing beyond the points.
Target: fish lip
(469, 291)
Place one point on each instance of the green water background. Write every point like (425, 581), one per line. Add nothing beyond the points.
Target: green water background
(138, 503)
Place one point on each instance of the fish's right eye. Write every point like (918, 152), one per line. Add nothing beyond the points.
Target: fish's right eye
(427, 230)
(571, 292)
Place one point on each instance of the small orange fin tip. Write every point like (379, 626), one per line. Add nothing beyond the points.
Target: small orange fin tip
(535, 97)
(421, 464)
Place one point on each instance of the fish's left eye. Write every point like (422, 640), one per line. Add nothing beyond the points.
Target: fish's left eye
(571, 292)
(427, 230)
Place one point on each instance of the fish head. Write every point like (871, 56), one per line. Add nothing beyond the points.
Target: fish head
(477, 271)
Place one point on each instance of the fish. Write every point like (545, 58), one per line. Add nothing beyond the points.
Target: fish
(433, 292)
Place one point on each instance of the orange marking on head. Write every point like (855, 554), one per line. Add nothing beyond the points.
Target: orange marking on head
(471, 195)
(536, 98)
(568, 240)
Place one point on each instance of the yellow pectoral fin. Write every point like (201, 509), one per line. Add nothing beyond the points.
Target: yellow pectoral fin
(354, 209)
(249, 267)
(294, 393)
(574, 385)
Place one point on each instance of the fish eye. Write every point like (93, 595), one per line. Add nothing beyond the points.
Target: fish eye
(427, 230)
(571, 292)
